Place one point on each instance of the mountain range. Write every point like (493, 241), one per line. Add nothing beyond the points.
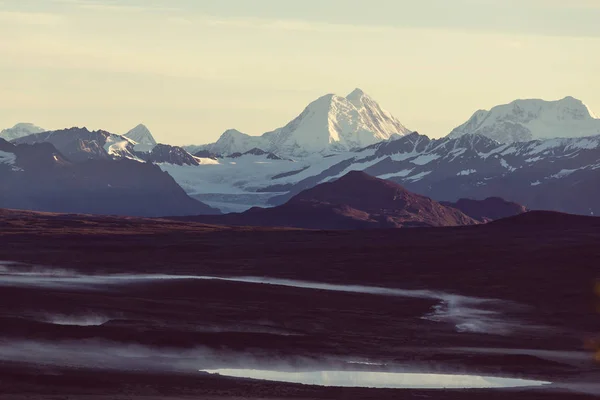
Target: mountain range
(38, 177)
(489, 156)
(552, 174)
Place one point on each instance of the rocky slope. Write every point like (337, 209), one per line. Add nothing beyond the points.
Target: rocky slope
(80, 144)
(39, 177)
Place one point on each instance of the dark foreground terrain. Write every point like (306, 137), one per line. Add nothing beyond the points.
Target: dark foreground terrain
(513, 298)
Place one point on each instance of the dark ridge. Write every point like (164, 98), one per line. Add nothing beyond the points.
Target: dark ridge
(355, 201)
(291, 173)
(490, 209)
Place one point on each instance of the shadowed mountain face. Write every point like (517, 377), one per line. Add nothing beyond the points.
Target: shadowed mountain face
(490, 209)
(355, 201)
(80, 144)
(38, 177)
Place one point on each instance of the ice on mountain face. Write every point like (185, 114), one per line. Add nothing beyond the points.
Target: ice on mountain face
(117, 147)
(7, 158)
(399, 174)
(418, 176)
(330, 124)
(563, 173)
(524, 120)
(141, 135)
(425, 159)
(20, 130)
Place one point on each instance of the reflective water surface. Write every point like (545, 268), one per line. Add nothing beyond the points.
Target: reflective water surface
(379, 379)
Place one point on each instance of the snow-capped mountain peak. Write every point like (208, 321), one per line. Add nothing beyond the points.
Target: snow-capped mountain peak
(356, 95)
(335, 123)
(381, 121)
(329, 124)
(233, 141)
(20, 130)
(524, 120)
(141, 135)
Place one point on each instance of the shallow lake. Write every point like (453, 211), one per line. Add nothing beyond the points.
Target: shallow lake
(371, 379)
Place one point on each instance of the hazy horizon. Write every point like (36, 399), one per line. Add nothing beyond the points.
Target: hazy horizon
(190, 71)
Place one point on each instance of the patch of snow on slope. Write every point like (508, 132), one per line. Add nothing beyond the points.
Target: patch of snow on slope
(425, 159)
(466, 172)
(563, 173)
(503, 150)
(207, 161)
(399, 174)
(356, 166)
(506, 165)
(536, 183)
(7, 158)
(533, 159)
(403, 156)
(456, 153)
(116, 146)
(508, 150)
(419, 176)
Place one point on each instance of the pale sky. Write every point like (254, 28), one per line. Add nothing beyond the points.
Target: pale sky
(190, 69)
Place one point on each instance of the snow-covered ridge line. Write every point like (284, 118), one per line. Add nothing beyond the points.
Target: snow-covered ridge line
(523, 120)
(330, 124)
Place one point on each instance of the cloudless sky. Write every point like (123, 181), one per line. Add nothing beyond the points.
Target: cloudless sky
(190, 69)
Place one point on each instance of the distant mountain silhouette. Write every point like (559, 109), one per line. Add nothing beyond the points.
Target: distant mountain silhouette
(490, 209)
